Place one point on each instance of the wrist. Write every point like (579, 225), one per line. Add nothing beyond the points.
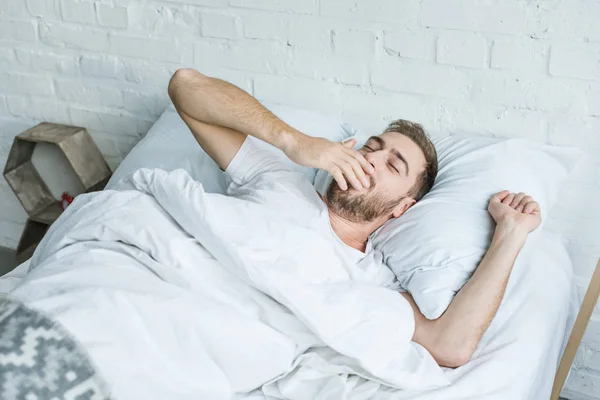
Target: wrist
(511, 230)
(287, 140)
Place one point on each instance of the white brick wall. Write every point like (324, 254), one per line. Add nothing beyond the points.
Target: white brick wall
(505, 68)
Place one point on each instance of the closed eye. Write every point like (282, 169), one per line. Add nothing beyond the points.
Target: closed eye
(394, 168)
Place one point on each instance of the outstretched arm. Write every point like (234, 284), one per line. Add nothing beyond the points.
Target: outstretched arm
(221, 115)
(452, 338)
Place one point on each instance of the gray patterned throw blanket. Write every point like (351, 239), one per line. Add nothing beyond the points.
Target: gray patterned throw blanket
(39, 360)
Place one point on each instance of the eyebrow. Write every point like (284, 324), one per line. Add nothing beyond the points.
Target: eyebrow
(395, 152)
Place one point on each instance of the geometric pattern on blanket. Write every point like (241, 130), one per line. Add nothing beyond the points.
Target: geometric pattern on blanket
(39, 360)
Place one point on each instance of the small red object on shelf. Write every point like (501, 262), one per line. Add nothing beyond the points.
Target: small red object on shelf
(66, 200)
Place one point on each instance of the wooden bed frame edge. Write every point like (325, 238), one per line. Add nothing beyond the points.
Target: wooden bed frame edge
(583, 317)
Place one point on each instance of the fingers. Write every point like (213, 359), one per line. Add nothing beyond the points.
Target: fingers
(336, 172)
(349, 174)
(353, 167)
(508, 199)
(521, 202)
(358, 171)
(532, 208)
(500, 196)
(517, 199)
(366, 166)
(350, 143)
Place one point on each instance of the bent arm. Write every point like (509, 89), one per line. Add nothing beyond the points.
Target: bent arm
(452, 338)
(221, 115)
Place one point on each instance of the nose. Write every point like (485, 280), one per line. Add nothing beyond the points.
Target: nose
(374, 159)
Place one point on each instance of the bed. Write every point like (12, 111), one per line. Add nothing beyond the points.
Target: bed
(516, 359)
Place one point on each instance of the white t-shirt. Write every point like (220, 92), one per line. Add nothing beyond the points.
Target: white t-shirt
(259, 176)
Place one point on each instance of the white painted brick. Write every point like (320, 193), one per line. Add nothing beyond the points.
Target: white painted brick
(434, 80)
(10, 232)
(3, 106)
(582, 356)
(255, 56)
(112, 16)
(354, 42)
(525, 92)
(40, 60)
(586, 382)
(7, 57)
(80, 37)
(574, 395)
(317, 37)
(487, 120)
(113, 122)
(87, 93)
(272, 27)
(47, 9)
(463, 49)
(519, 54)
(575, 61)
(458, 14)
(397, 12)
(12, 127)
(105, 142)
(140, 47)
(12, 8)
(325, 65)
(371, 112)
(151, 104)
(18, 30)
(219, 25)
(564, 21)
(41, 109)
(77, 11)
(163, 20)
(303, 93)
(11, 208)
(147, 72)
(143, 126)
(99, 66)
(297, 6)
(593, 100)
(416, 44)
(209, 3)
(24, 84)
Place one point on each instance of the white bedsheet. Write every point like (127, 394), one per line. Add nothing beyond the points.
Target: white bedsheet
(161, 318)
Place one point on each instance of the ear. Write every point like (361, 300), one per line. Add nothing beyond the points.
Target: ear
(404, 205)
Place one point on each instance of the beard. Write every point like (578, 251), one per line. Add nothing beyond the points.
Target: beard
(359, 207)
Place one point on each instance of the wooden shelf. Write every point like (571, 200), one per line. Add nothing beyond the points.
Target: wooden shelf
(83, 156)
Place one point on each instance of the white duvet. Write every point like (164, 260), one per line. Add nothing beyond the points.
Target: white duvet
(163, 317)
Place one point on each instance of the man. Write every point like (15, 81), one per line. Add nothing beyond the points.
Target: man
(386, 176)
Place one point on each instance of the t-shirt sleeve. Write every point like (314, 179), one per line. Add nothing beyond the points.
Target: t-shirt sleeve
(261, 175)
(250, 162)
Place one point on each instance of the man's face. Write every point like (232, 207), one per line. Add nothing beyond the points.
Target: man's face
(397, 161)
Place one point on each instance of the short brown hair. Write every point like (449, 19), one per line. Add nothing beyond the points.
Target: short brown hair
(417, 134)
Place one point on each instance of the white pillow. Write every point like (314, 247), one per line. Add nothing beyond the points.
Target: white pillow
(437, 244)
(169, 145)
